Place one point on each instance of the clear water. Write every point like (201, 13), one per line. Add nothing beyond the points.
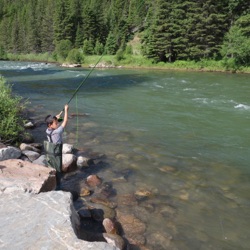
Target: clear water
(184, 136)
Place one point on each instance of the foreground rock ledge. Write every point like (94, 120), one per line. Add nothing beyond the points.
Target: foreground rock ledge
(33, 219)
(41, 221)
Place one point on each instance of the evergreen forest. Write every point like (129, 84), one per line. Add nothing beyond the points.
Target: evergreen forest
(166, 30)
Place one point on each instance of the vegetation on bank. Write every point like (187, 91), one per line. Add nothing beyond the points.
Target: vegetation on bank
(136, 61)
(187, 34)
(11, 107)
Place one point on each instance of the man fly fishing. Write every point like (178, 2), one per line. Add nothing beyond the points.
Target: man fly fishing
(53, 146)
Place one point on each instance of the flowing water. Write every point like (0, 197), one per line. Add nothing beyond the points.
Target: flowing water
(182, 136)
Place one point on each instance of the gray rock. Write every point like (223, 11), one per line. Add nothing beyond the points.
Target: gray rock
(67, 148)
(42, 221)
(9, 153)
(68, 162)
(25, 146)
(29, 125)
(31, 155)
(40, 160)
(83, 161)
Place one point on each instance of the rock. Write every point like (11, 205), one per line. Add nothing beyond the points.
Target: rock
(100, 200)
(84, 213)
(109, 226)
(168, 169)
(40, 160)
(24, 146)
(17, 175)
(44, 221)
(67, 148)
(9, 153)
(71, 65)
(133, 228)
(160, 240)
(31, 155)
(68, 162)
(184, 195)
(115, 240)
(168, 211)
(93, 180)
(119, 179)
(83, 161)
(36, 145)
(29, 125)
(99, 211)
(127, 200)
(84, 192)
(142, 194)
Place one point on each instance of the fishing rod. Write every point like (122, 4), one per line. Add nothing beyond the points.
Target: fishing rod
(83, 81)
(80, 85)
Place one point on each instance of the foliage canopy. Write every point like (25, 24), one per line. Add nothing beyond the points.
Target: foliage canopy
(169, 30)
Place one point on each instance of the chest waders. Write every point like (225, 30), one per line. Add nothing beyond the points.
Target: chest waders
(54, 158)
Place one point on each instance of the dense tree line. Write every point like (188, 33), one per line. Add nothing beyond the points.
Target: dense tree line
(170, 30)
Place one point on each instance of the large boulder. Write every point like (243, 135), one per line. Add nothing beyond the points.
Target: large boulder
(42, 221)
(17, 175)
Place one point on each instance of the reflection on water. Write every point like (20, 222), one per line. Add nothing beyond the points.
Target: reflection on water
(180, 136)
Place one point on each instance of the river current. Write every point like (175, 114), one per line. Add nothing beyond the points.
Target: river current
(183, 136)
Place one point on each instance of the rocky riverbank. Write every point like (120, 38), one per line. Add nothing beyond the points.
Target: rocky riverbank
(107, 211)
(83, 211)
(32, 214)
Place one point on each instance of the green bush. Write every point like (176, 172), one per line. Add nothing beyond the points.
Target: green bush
(63, 48)
(74, 56)
(119, 55)
(88, 48)
(11, 123)
(129, 50)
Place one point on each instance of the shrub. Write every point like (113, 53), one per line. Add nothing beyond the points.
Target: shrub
(11, 124)
(63, 48)
(119, 55)
(74, 56)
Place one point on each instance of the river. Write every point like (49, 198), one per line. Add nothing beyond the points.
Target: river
(183, 136)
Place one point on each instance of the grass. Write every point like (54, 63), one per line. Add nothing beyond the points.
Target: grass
(135, 61)
(11, 107)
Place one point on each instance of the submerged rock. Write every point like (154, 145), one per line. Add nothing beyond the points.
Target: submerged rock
(132, 227)
(93, 180)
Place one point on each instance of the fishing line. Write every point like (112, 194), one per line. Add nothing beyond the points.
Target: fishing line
(77, 122)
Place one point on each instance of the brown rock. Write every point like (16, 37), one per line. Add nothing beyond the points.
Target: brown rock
(142, 194)
(84, 192)
(93, 180)
(168, 169)
(109, 226)
(132, 227)
(17, 175)
(127, 200)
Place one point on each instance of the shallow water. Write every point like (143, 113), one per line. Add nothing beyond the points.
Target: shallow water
(183, 136)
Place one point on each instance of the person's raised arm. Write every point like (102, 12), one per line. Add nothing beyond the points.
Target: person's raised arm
(65, 119)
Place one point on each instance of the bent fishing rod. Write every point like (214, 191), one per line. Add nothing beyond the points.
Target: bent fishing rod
(83, 81)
